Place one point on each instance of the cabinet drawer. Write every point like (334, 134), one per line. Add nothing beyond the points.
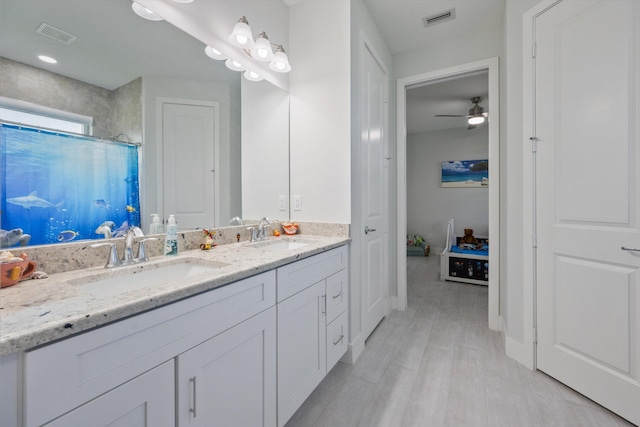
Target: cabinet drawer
(337, 339)
(63, 375)
(295, 277)
(337, 294)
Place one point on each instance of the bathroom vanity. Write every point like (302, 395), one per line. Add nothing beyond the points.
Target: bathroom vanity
(243, 343)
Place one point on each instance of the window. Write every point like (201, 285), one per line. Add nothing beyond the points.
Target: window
(26, 113)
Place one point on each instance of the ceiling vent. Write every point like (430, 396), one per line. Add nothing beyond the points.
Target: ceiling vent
(54, 33)
(440, 17)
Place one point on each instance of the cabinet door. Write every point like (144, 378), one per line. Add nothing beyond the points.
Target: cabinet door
(230, 379)
(147, 400)
(301, 348)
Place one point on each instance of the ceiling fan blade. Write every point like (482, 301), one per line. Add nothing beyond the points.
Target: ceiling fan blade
(451, 115)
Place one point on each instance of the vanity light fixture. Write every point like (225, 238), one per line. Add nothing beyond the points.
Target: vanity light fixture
(258, 48)
(214, 53)
(261, 50)
(280, 62)
(145, 13)
(234, 65)
(252, 76)
(241, 35)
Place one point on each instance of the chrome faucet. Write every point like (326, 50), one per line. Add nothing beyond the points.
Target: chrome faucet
(127, 256)
(262, 227)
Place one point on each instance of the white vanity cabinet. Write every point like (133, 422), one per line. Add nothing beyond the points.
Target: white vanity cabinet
(230, 380)
(65, 377)
(146, 401)
(312, 325)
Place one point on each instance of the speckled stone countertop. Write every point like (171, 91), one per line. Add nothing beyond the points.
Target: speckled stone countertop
(36, 312)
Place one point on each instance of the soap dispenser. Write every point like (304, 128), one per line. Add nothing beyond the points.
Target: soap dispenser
(156, 226)
(171, 241)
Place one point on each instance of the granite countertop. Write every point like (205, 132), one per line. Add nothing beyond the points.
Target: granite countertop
(36, 312)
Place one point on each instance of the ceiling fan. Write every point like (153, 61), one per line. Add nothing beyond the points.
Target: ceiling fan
(476, 114)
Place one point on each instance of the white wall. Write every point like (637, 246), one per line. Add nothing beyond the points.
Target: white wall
(319, 86)
(429, 206)
(265, 151)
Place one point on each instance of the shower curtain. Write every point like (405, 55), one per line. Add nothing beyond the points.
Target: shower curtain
(59, 188)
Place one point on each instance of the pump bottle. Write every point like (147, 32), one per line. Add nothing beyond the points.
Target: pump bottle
(156, 226)
(171, 241)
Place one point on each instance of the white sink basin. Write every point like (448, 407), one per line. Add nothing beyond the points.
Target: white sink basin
(279, 245)
(125, 279)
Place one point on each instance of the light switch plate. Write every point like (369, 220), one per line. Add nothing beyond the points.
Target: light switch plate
(282, 203)
(297, 203)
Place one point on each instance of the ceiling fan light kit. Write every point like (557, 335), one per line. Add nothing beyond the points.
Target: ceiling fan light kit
(476, 114)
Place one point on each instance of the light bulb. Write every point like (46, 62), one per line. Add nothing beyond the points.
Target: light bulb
(476, 120)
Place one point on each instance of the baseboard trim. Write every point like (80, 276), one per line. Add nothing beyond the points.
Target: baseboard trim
(354, 350)
(514, 349)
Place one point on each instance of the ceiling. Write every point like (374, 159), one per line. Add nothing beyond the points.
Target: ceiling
(114, 26)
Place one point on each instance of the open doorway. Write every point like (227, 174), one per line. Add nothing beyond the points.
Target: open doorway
(486, 70)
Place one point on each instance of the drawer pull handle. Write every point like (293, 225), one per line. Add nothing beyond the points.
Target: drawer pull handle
(338, 295)
(339, 339)
(192, 409)
(624, 248)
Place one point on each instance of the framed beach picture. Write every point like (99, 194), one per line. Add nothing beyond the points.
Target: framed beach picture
(465, 173)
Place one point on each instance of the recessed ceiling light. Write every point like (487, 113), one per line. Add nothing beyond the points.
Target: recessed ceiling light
(183, 1)
(47, 59)
(145, 13)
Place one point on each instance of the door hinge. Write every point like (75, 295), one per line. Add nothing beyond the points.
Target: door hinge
(534, 50)
(534, 144)
(534, 240)
(535, 335)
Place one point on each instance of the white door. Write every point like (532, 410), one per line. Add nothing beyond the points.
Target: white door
(587, 108)
(188, 164)
(373, 262)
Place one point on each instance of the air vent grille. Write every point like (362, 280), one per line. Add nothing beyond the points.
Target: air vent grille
(438, 18)
(54, 33)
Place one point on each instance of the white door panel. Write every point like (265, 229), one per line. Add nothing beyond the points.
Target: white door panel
(188, 164)
(586, 109)
(374, 209)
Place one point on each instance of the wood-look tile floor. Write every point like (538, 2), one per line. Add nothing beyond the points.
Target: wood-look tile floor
(438, 364)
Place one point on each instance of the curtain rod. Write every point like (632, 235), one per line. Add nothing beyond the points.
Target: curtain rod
(110, 140)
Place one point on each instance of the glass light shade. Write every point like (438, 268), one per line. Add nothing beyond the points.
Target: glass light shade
(261, 51)
(476, 120)
(234, 65)
(252, 76)
(214, 53)
(145, 13)
(241, 36)
(280, 62)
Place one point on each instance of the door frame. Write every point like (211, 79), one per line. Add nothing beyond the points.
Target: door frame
(525, 352)
(160, 101)
(492, 66)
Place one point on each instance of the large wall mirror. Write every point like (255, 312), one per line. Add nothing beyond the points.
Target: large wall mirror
(149, 82)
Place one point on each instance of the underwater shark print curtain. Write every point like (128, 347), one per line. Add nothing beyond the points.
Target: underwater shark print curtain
(57, 188)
